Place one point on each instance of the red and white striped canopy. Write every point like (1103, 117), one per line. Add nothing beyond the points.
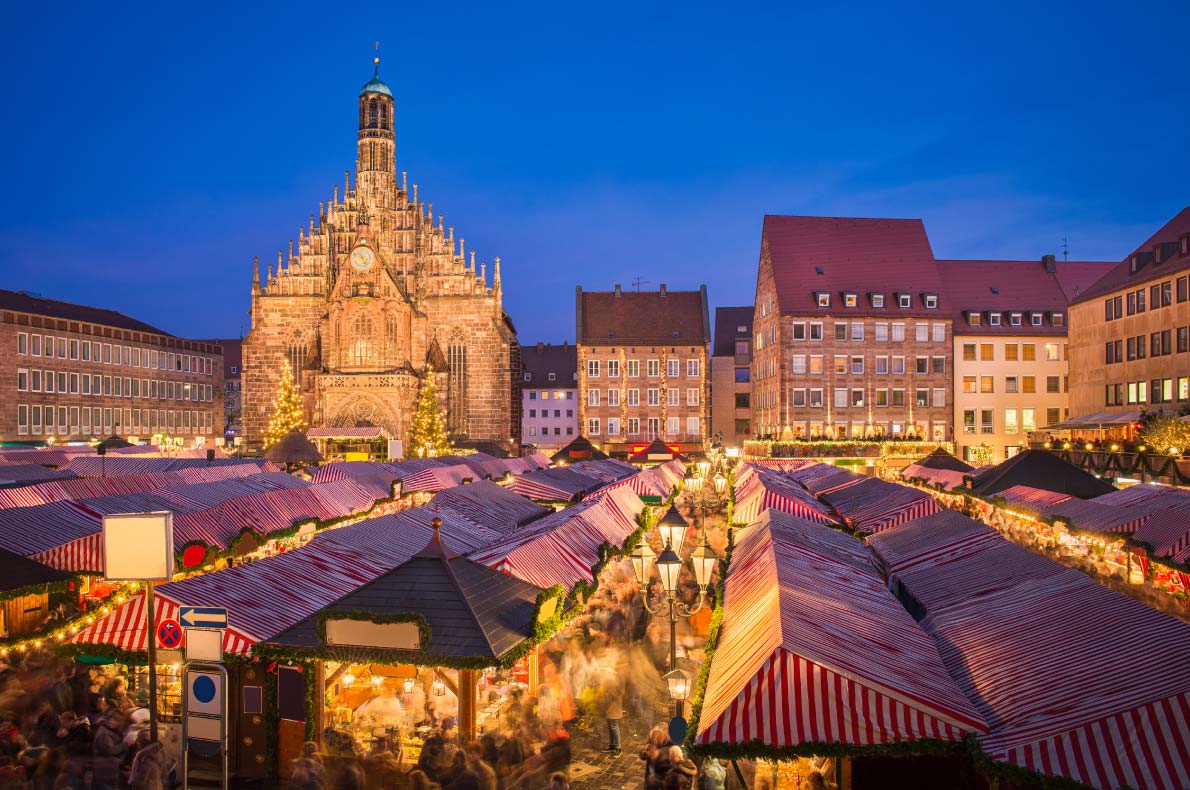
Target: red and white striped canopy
(558, 484)
(815, 649)
(871, 505)
(758, 489)
(86, 487)
(945, 479)
(1077, 680)
(266, 597)
(116, 466)
(562, 548)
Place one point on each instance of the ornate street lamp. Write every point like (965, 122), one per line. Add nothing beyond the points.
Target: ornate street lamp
(672, 528)
(678, 681)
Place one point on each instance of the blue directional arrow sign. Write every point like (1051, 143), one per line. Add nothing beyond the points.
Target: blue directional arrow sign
(202, 617)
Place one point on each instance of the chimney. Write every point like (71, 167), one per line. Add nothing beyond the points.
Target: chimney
(618, 291)
(1050, 264)
(540, 347)
(663, 289)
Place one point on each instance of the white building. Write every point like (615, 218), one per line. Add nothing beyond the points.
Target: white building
(549, 393)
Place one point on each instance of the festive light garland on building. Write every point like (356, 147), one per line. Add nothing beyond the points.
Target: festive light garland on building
(58, 633)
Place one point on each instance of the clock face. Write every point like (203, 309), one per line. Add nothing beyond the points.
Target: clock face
(362, 258)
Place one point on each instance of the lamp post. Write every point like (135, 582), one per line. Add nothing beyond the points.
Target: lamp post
(672, 528)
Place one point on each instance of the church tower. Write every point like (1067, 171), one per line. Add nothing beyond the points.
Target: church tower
(376, 157)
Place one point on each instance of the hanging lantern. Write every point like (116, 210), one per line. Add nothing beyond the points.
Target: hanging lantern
(669, 567)
(720, 483)
(679, 684)
(439, 688)
(703, 558)
(642, 562)
(673, 530)
(407, 685)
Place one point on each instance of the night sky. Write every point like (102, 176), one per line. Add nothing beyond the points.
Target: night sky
(151, 151)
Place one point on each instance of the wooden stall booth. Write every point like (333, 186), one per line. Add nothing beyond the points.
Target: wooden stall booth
(439, 643)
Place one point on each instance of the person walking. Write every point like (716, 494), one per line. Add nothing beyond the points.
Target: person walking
(712, 775)
(654, 755)
(613, 711)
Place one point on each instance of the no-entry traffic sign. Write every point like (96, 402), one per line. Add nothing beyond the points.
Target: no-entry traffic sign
(169, 634)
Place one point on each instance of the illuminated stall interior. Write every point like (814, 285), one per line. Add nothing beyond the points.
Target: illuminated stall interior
(439, 636)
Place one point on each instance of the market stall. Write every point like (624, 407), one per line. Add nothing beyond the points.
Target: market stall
(396, 657)
(1013, 629)
(816, 658)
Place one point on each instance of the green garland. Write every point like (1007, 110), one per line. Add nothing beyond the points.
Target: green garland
(62, 585)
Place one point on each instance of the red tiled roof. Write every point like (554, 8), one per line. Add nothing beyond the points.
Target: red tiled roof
(1019, 286)
(727, 321)
(673, 317)
(856, 255)
(1122, 276)
(22, 302)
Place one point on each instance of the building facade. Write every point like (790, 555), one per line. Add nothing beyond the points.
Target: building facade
(851, 331)
(377, 295)
(1010, 349)
(1130, 333)
(77, 373)
(233, 407)
(643, 368)
(731, 375)
(549, 395)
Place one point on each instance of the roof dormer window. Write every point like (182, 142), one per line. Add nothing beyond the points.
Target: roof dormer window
(974, 319)
(528, 377)
(993, 319)
(823, 298)
(1134, 263)
(930, 300)
(1014, 319)
(552, 376)
(1058, 319)
(876, 299)
(904, 301)
(1035, 319)
(850, 300)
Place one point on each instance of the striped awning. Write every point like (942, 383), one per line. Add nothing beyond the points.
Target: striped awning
(814, 649)
(564, 547)
(1040, 648)
(871, 505)
(559, 484)
(758, 489)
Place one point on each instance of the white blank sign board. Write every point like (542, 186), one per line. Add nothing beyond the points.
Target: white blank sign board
(138, 546)
(364, 633)
(204, 644)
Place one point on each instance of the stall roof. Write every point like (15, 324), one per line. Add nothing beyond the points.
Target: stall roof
(1099, 419)
(579, 449)
(872, 505)
(17, 572)
(815, 649)
(493, 505)
(1038, 469)
(1039, 648)
(759, 488)
(472, 611)
(558, 484)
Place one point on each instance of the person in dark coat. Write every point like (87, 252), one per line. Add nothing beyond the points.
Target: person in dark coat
(107, 744)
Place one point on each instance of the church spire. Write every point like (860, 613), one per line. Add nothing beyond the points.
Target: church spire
(376, 147)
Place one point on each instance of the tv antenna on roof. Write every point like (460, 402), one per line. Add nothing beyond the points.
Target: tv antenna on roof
(1065, 249)
(637, 282)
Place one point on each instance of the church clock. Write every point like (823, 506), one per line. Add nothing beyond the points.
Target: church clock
(362, 258)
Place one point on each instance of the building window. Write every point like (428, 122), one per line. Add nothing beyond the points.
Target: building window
(931, 301)
(797, 397)
(1028, 352)
(840, 397)
(881, 332)
(857, 366)
(857, 398)
(823, 299)
(850, 300)
(1010, 384)
(994, 319)
(898, 333)
(1028, 420)
(593, 426)
(798, 366)
(815, 397)
(613, 426)
(528, 376)
(613, 369)
(743, 375)
(673, 397)
(673, 368)
(939, 397)
(898, 366)
(592, 397)
(905, 301)
(799, 331)
(1029, 384)
(1014, 319)
(921, 332)
(593, 368)
(692, 396)
(857, 330)
(632, 368)
(633, 426)
(881, 365)
(692, 368)
(840, 330)
(613, 398)
(653, 368)
(840, 365)
(552, 377)
(633, 397)
(987, 384)
(816, 330)
(881, 398)
(1052, 352)
(654, 396)
(987, 352)
(877, 300)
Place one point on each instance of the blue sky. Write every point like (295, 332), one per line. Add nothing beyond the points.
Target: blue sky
(150, 151)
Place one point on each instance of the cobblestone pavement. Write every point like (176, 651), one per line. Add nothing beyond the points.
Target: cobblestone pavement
(594, 769)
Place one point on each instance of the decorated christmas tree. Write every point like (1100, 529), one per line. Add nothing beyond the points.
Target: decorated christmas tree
(427, 435)
(287, 409)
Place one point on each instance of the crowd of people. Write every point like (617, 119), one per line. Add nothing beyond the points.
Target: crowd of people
(68, 726)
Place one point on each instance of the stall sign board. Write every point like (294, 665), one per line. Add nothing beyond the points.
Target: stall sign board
(169, 634)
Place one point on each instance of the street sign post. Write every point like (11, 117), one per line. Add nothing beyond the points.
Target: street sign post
(202, 616)
(204, 714)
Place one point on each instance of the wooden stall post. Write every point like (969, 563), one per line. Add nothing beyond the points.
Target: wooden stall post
(534, 659)
(467, 690)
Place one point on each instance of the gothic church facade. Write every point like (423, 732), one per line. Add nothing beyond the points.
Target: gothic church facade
(376, 296)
